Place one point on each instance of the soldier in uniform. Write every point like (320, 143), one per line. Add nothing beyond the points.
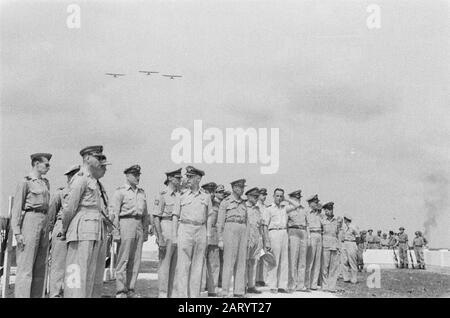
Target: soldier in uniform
(275, 222)
(191, 208)
(261, 271)
(361, 244)
(232, 233)
(330, 253)
(59, 247)
(402, 244)
(298, 244)
(84, 227)
(313, 261)
(131, 221)
(377, 240)
(392, 240)
(256, 239)
(384, 242)
(30, 227)
(370, 239)
(418, 243)
(213, 251)
(164, 205)
(350, 251)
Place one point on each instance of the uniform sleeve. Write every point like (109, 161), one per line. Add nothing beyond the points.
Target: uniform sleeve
(221, 219)
(76, 191)
(159, 205)
(146, 216)
(116, 205)
(19, 201)
(55, 206)
(208, 218)
(266, 216)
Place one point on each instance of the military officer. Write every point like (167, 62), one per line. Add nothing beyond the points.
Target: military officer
(132, 221)
(418, 243)
(164, 205)
(402, 244)
(377, 240)
(370, 239)
(256, 240)
(330, 252)
(191, 208)
(298, 244)
(350, 250)
(392, 239)
(275, 223)
(384, 243)
(59, 247)
(313, 261)
(30, 227)
(212, 252)
(84, 227)
(232, 234)
(261, 271)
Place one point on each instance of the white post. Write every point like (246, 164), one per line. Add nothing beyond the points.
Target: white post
(7, 259)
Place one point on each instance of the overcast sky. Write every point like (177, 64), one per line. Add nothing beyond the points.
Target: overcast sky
(363, 113)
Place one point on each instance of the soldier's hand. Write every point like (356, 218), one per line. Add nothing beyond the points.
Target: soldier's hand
(116, 235)
(20, 242)
(220, 244)
(60, 236)
(3, 234)
(268, 248)
(151, 230)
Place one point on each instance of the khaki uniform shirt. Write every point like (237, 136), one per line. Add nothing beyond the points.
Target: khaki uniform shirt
(165, 203)
(82, 219)
(31, 194)
(350, 233)
(58, 202)
(402, 238)
(314, 220)
(297, 217)
(275, 217)
(254, 224)
(419, 241)
(330, 232)
(193, 206)
(130, 203)
(231, 209)
(212, 217)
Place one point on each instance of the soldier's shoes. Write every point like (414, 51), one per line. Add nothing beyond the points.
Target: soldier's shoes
(304, 290)
(239, 296)
(212, 294)
(253, 290)
(132, 294)
(313, 288)
(274, 291)
(260, 284)
(283, 291)
(121, 295)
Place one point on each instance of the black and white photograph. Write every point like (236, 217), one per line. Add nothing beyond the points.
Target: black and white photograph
(233, 151)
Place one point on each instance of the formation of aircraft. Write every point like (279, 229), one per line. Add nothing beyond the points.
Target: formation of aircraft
(171, 76)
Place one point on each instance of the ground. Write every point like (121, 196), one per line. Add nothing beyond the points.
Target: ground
(393, 283)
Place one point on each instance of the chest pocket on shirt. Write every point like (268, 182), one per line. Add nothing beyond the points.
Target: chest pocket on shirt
(168, 207)
(37, 195)
(90, 224)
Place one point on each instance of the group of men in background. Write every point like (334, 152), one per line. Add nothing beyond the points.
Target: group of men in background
(208, 238)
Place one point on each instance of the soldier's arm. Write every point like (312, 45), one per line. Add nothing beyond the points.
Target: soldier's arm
(294, 205)
(175, 216)
(159, 208)
(76, 191)
(116, 206)
(221, 219)
(19, 200)
(54, 207)
(209, 220)
(146, 217)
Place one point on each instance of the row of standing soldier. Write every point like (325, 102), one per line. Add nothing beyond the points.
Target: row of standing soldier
(196, 228)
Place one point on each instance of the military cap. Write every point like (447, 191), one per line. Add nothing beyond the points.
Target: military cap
(40, 155)
(73, 169)
(134, 169)
(314, 197)
(239, 182)
(227, 194)
(348, 217)
(91, 150)
(401, 228)
(191, 171)
(328, 205)
(210, 186)
(220, 188)
(166, 182)
(175, 173)
(369, 230)
(263, 191)
(295, 194)
(253, 191)
(363, 232)
(269, 259)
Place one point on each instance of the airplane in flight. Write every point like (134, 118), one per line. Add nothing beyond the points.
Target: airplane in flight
(148, 72)
(115, 74)
(171, 76)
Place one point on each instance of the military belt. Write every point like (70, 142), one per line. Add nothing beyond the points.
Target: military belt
(44, 211)
(315, 231)
(166, 218)
(402, 241)
(300, 227)
(418, 245)
(136, 217)
(192, 222)
(349, 241)
(236, 220)
(277, 228)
